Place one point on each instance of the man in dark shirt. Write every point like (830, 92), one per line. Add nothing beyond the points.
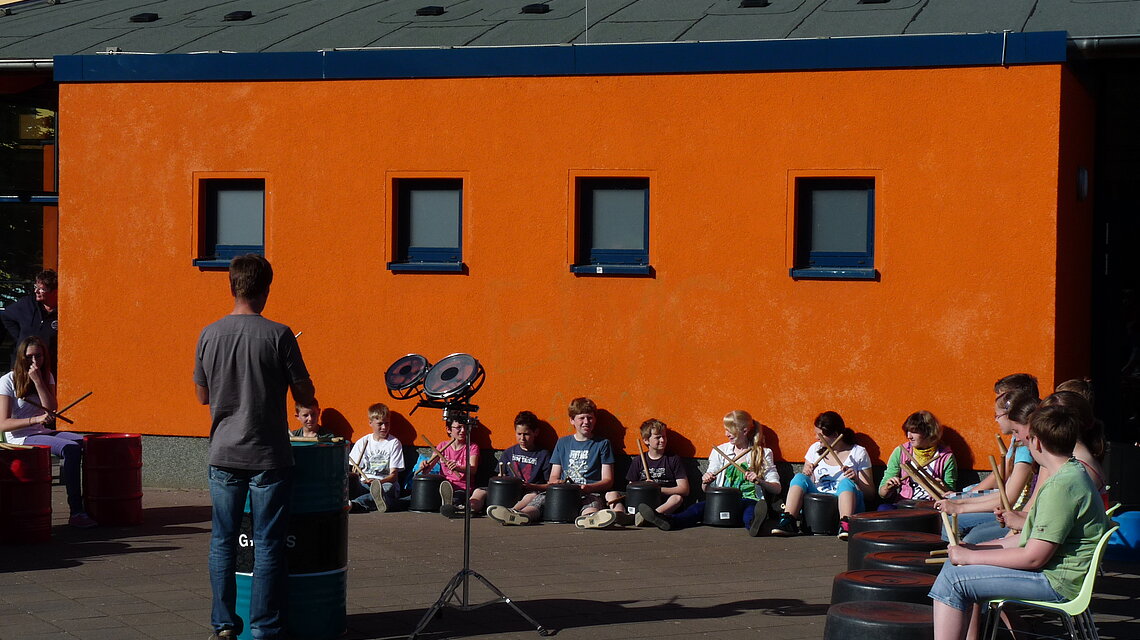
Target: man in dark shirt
(36, 314)
(244, 366)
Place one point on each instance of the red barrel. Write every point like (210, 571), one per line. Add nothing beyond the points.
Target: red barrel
(25, 494)
(112, 478)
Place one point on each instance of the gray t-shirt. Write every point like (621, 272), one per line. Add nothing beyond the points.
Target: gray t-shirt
(248, 363)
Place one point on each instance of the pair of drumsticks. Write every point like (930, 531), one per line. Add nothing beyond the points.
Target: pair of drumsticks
(952, 528)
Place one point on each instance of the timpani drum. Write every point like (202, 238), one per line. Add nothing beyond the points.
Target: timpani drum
(881, 586)
(723, 507)
(563, 503)
(643, 492)
(884, 621)
(821, 513)
(504, 491)
(425, 493)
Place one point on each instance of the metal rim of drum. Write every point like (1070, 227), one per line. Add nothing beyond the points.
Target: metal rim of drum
(878, 585)
(901, 561)
(406, 372)
(916, 519)
(456, 375)
(885, 620)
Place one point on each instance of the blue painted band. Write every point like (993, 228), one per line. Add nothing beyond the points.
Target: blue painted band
(878, 52)
(826, 273)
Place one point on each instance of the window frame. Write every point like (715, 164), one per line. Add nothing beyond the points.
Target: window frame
(850, 265)
(588, 260)
(210, 254)
(405, 258)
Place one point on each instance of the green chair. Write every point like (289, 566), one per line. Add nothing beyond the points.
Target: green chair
(1075, 613)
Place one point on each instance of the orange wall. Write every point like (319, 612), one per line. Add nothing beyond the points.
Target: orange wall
(966, 162)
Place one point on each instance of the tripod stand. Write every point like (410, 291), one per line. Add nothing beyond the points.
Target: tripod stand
(461, 412)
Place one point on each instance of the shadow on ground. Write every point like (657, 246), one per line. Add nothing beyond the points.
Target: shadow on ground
(70, 547)
(559, 614)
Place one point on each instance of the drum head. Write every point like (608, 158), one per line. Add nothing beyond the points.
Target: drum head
(406, 372)
(456, 375)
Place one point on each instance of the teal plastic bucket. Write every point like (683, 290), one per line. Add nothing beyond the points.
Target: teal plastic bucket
(317, 545)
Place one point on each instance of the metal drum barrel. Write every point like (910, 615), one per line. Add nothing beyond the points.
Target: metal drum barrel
(505, 491)
(563, 503)
(722, 507)
(425, 493)
(926, 520)
(317, 545)
(860, 545)
(112, 478)
(907, 503)
(821, 513)
(881, 586)
(25, 494)
(882, 621)
(642, 492)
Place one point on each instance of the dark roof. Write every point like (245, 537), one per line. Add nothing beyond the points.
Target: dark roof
(41, 29)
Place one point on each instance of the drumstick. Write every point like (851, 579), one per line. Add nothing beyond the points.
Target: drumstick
(6, 445)
(732, 461)
(951, 532)
(930, 479)
(938, 552)
(832, 451)
(297, 335)
(1001, 444)
(935, 561)
(644, 464)
(48, 411)
(917, 476)
(438, 453)
(81, 399)
(1000, 483)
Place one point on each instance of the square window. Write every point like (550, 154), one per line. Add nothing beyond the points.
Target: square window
(613, 226)
(429, 217)
(232, 219)
(835, 228)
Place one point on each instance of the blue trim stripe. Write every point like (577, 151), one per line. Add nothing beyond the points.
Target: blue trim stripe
(876, 52)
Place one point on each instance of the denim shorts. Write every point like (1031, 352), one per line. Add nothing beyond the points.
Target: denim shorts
(963, 586)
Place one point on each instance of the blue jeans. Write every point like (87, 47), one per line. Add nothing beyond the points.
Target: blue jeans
(843, 486)
(962, 587)
(269, 492)
(362, 495)
(967, 522)
(695, 514)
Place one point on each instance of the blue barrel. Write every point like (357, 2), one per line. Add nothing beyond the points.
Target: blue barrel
(317, 545)
(1124, 545)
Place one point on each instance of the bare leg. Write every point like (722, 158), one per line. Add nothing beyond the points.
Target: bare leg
(949, 623)
(795, 500)
(671, 504)
(846, 504)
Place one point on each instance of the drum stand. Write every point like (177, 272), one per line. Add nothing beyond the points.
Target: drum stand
(461, 412)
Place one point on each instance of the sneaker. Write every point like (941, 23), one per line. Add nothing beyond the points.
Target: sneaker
(452, 511)
(625, 519)
(843, 531)
(759, 514)
(446, 493)
(356, 507)
(377, 491)
(603, 519)
(224, 634)
(82, 521)
(651, 517)
(639, 521)
(507, 516)
(786, 526)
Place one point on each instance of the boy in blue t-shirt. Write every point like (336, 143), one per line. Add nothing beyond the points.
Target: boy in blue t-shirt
(584, 460)
(528, 463)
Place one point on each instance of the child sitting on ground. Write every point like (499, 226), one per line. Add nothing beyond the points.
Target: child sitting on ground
(924, 448)
(754, 474)
(310, 418)
(588, 462)
(665, 470)
(1050, 558)
(532, 465)
(378, 458)
(453, 489)
(849, 477)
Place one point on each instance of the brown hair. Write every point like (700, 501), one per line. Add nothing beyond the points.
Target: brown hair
(923, 423)
(526, 419)
(1092, 431)
(250, 276)
(1056, 428)
(651, 426)
(1017, 382)
(579, 406)
(20, 379)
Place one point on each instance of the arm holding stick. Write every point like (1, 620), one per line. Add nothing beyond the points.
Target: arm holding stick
(731, 462)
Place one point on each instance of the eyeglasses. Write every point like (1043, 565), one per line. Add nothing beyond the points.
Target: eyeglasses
(40, 289)
(999, 416)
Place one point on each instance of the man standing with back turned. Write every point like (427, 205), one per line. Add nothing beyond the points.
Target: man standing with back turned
(244, 365)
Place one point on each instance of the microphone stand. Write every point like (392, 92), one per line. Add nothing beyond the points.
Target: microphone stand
(461, 412)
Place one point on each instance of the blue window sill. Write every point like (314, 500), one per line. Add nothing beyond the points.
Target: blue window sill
(212, 263)
(611, 269)
(427, 267)
(834, 273)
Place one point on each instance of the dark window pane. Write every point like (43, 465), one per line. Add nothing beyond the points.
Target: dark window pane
(839, 220)
(433, 219)
(618, 218)
(241, 216)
